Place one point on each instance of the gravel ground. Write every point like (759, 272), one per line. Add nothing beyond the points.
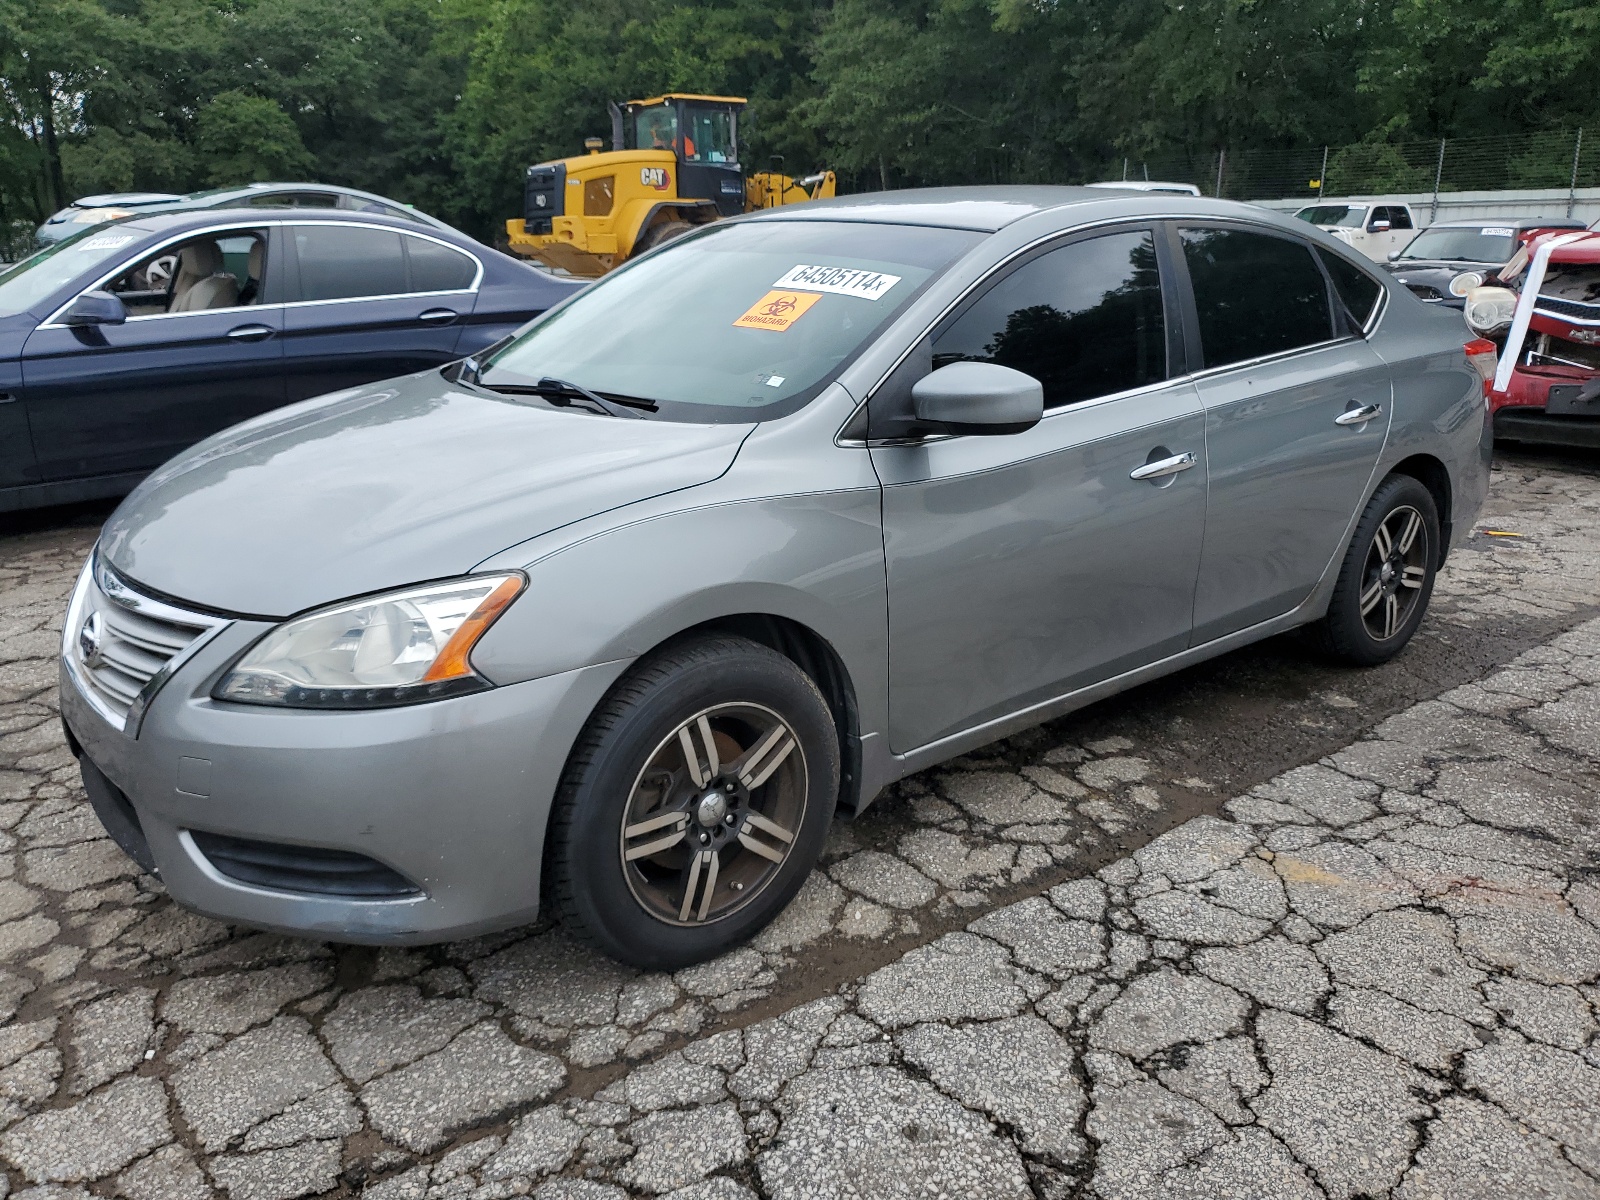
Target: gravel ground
(1374, 974)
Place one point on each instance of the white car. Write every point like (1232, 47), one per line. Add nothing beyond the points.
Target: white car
(1373, 229)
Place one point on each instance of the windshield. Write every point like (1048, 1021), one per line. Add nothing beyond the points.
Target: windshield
(1333, 214)
(1572, 281)
(39, 276)
(747, 321)
(1489, 244)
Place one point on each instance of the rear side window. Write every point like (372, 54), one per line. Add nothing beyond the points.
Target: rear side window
(1256, 294)
(436, 268)
(1084, 320)
(342, 262)
(1357, 290)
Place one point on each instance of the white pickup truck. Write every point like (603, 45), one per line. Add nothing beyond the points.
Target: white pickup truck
(1372, 228)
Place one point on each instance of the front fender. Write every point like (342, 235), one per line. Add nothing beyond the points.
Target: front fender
(815, 559)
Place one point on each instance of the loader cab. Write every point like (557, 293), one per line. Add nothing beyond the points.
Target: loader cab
(702, 132)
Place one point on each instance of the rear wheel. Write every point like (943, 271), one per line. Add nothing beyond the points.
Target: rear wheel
(695, 803)
(1387, 577)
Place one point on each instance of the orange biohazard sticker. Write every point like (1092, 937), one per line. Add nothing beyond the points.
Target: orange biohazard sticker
(777, 310)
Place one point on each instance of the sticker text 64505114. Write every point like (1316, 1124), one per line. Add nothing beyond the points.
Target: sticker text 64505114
(777, 310)
(841, 281)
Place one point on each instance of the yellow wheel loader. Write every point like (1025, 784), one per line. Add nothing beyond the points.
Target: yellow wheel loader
(673, 164)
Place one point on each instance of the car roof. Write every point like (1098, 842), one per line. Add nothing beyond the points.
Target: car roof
(180, 219)
(1513, 222)
(123, 199)
(989, 209)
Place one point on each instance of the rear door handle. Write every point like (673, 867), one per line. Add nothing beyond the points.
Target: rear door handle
(250, 333)
(1164, 466)
(437, 316)
(1358, 416)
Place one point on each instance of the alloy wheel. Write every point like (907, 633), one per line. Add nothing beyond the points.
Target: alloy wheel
(713, 813)
(1395, 570)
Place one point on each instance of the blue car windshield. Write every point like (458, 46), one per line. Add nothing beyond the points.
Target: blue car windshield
(39, 276)
(747, 321)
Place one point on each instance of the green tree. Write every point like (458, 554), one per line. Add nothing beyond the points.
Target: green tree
(242, 138)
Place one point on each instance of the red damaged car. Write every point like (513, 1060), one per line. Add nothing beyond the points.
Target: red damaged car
(1541, 315)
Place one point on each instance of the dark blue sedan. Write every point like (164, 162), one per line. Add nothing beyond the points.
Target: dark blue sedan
(127, 343)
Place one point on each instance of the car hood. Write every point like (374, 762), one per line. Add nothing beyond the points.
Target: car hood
(1419, 265)
(387, 485)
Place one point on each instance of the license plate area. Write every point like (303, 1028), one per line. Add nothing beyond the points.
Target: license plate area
(1563, 401)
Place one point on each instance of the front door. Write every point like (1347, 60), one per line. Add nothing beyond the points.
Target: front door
(1297, 410)
(200, 351)
(1027, 565)
(371, 303)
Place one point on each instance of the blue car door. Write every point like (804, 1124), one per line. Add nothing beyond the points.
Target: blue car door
(199, 351)
(371, 302)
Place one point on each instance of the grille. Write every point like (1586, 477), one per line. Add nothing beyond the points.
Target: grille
(303, 868)
(1567, 308)
(117, 640)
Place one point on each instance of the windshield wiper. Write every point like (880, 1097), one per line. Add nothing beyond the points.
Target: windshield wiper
(563, 393)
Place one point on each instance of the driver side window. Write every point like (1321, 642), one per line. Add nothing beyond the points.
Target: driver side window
(1085, 320)
(214, 271)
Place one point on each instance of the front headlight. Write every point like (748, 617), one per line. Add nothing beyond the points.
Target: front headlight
(398, 648)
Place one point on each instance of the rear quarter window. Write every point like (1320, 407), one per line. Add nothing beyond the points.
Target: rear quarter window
(1357, 291)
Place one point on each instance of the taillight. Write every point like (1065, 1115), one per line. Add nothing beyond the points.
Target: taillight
(1483, 355)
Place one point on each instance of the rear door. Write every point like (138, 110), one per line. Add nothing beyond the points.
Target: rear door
(1297, 407)
(1026, 565)
(371, 302)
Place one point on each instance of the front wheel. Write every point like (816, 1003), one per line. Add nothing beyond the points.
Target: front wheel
(695, 803)
(1387, 576)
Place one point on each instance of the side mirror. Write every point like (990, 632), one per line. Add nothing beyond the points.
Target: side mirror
(1394, 256)
(1378, 227)
(979, 398)
(96, 308)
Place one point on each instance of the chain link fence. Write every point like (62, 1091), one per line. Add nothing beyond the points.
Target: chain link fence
(1549, 159)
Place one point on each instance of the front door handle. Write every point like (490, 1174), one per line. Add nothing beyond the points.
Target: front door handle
(250, 333)
(1358, 416)
(1163, 467)
(437, 316)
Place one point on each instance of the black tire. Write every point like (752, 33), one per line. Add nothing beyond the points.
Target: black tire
(659, 234)
(1393, 587)
(631, 768)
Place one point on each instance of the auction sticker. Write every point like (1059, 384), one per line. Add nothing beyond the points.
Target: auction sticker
(1497, 231)
(841, 281)
(106, 242)
(777, 310)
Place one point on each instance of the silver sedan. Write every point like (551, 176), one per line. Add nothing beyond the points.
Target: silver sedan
(616, 616)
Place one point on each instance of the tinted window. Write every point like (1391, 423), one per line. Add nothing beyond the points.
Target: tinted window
(1256, 294)
(1358, 290)
(436, 268)
(338, 262)
(1084, 320)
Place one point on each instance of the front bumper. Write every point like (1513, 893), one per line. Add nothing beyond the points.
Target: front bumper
(451, 795)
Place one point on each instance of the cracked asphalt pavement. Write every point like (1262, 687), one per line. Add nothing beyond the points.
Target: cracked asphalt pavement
(1268, 928)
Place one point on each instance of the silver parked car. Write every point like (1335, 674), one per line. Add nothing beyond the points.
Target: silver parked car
(617, 615)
